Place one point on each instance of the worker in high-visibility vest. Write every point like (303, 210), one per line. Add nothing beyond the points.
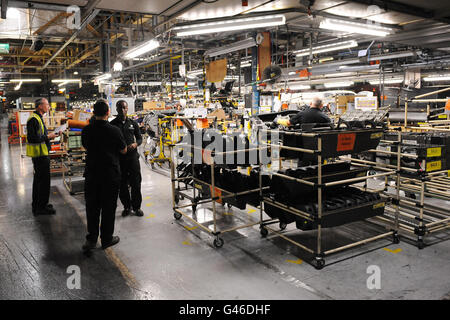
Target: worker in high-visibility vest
(38, 145)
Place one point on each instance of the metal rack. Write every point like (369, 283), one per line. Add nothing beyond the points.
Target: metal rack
(216, 194)
(318, 252)
(74, 164)
(416, 216)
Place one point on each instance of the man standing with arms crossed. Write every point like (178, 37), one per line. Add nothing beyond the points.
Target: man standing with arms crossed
(104, 143)
(38, 146)
(129, 163)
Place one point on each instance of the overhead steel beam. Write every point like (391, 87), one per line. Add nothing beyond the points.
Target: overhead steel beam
(404, 8)
(37, 5)
(4, 8)
(85, 22)
(51, 21)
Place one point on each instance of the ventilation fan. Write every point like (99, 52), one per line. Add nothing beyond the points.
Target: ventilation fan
(271, 74)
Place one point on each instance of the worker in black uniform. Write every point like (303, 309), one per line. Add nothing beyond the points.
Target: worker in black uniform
(313, 114)
(129, 163)
(103, 143)
(38, 146)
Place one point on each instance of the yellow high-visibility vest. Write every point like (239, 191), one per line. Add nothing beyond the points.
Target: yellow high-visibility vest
(40, 149)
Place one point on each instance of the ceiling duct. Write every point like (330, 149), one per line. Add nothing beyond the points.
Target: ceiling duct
(240, 45)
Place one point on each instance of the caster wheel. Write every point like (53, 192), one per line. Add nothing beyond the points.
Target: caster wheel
(87, 253)
(264, 232)
(283, 225)
(229, 206)
(420, 244)
(222, 204)
(320, 263)
(396, 239)
(177, 199)
(218, 242)
(177, 215)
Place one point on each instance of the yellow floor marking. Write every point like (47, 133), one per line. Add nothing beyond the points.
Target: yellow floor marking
(190, 228)
(299, 261)
(146, 198)
(129, 278)
(187, 243)
(149, 204)
(151, 215)
(393, 251)
(251, 210)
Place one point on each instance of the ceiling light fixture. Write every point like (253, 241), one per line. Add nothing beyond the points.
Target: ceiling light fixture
(445, 77)
(338, 84)
(240, 45)
(65, 80)
(230, 25)
(118, 66)
(141, 49)
(355, 27)
(386, 81)
(18, 86)
(25, 80)
(327, 48)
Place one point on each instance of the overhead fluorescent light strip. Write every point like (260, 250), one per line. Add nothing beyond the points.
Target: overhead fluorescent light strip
(141, 49)
(355, 27)
(327, 48)
(25, 80)
(386, 81)
(437, 78)
(230, 25)
(338, 84)
(240, 45)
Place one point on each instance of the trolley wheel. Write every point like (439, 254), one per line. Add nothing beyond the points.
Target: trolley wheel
(87, 253)
(218, 242)
(320, 263)
(396, 238)
(420, 244)
(177, 199)
(283, 225)
(177, 215)
(264, 232)
(229, 205)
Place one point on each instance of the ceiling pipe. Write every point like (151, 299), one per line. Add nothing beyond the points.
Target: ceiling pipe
(85, 22)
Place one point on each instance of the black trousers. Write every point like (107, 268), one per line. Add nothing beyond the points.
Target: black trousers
(130, 181)
(41, 182)
(101, 201)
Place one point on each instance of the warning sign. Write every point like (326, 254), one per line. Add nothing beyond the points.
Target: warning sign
(346, 141)
(217, 193)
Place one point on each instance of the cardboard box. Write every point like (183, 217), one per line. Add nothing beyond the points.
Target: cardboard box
(154, 105)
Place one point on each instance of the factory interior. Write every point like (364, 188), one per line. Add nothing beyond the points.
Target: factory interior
(240, 197)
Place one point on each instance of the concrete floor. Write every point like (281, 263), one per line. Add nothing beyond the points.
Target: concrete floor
(161, 258)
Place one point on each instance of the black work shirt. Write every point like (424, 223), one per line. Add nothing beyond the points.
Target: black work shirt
(33, 128)
(103, 143)
(310, 115)
(131, 132)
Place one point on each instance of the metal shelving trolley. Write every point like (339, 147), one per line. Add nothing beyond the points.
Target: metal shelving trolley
(74, 162)
(325, 195)
(201, 186)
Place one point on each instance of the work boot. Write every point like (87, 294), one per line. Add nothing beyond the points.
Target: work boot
(89, 245)
(48, 206)
(114, 240)
(44, 211)
(138, 212)
(126, 212)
